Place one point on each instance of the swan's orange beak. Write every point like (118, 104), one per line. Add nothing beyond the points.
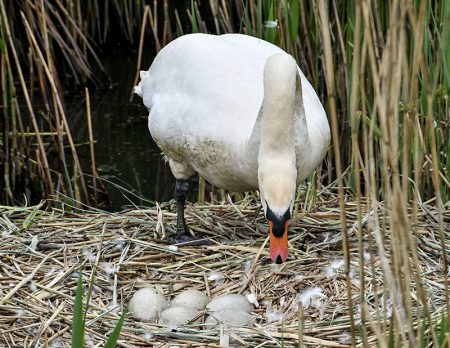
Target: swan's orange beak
(278, 244)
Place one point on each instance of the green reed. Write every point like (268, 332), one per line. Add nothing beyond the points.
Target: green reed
(79, 315)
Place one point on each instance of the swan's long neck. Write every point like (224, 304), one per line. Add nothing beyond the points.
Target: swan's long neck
(277, 129)
(281, 112)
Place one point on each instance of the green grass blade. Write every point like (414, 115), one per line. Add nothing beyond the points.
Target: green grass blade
(423, 328)
(448, 158)
(2, 46)
(391, 337)
(88, 296)
(445, 41)
(260, 21)
(248, 24)
(443, 329)
(194, 18)
(270, 33)
(294, 21)
(363, 337)
(77, 321)
(112, 340)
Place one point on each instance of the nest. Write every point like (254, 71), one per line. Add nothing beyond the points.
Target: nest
(306, 298)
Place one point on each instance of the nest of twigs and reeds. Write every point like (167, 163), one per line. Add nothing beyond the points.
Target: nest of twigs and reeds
(42, 251)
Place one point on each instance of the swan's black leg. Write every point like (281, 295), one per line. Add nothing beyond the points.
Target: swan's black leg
(181, 190)
(183, 235)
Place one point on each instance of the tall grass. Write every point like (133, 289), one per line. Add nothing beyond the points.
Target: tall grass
(46, 46)
(382, 70)
(36, 34)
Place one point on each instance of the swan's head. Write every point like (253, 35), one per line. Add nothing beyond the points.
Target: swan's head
(277, 189)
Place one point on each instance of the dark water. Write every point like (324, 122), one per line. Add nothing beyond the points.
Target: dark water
(125, 152)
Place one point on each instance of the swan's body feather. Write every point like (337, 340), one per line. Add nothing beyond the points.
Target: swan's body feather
(205, 93)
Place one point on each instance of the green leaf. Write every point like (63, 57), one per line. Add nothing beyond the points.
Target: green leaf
(89, 293)
(77, 321)
(112, 340)
(31, 216)
(372, 125)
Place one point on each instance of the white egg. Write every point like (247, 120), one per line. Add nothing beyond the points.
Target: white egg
(191, 298)
(140, 283)
(175, 316)
(229, 301)
(234, 317)
(147, 303)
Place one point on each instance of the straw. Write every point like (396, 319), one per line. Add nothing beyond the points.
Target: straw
(37, 281)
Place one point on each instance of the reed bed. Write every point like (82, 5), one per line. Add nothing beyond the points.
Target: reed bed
(42, 250)
(381, 70)
(346, 49)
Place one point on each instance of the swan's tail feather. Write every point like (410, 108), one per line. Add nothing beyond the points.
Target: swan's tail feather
(138, 89)
(144, 88)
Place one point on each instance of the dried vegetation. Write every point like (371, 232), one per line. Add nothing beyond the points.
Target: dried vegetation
(39, 274)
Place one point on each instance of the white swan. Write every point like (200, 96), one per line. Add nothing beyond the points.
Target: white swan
(238, 111)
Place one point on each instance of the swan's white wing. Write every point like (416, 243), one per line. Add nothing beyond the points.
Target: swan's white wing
(204, 93)
(207, 86)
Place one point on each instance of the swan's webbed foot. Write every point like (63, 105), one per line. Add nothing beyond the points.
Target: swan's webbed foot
(187, 239)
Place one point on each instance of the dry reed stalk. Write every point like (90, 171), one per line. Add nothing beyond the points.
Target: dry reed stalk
(168, 36)
(153, 25)
(31, 73)
(201, 24)
(227, 25)
(390, 83)
(329, 77)
(53, 74)
(356, 156)
(141, 45)
(128, 22)
(440, 206)
(179, 26)
(417, 160)
(213, 5)
(48, 179)
(252, 13)
(387, 274)
(7, 152)
(55, 92)
(91, 144)
(71, 49)
(300, 319)
(225, 12)
(201, 190)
